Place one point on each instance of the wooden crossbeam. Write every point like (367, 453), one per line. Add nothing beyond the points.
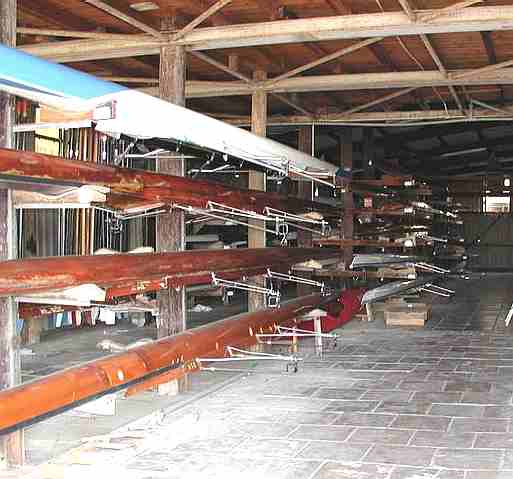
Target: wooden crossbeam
(52, 32)
(392, 117)
(125, 18)
(372, 25)
(498, 75)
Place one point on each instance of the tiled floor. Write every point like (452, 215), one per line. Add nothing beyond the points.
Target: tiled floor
(385, 404)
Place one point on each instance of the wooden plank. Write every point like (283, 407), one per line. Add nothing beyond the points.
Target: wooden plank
(171, 227)
(10, 366)
(415, 314)
(315, 29)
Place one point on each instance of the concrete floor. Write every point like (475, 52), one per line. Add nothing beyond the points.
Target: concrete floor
(385, 403)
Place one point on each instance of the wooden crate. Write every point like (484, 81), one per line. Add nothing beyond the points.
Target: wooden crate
(415, 314)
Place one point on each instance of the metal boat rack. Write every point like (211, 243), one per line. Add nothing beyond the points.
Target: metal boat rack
(237, 355)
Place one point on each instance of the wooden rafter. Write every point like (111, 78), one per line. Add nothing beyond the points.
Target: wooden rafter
(201, 18)
(325, 59)
(407, 7)
(449, 9)
(465, 75)
(277, 13)
(379, 101)
(130, 20)
(221, 66)
(53, 32)
(126, 79)
(249, 81)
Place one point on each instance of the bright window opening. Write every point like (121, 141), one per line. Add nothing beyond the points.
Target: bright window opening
(496, 204)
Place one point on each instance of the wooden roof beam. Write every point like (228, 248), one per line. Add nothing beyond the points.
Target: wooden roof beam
(129, 19)
(348, 82)
(393, 117)
(370, 25)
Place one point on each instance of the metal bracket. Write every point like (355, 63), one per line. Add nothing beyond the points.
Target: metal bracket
(236, 354)
(431, 268)
(298, 279)
(298, 221)
(116, 221)
(226, 213)
(295, 333)
(313, 177)
(273, 297)
(286, 332)
(437, 290)
(509, 316)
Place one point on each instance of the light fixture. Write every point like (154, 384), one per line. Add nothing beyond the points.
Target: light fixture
(144, 6)
(507, 182)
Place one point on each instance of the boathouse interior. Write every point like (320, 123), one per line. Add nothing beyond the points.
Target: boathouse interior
(256, 239)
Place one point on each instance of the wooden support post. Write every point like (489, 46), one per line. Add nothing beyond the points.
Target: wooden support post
(370, 312)
(171, 227)
(369, 167)
(304, 238)
(346, 162)
(12, 447)
(257, 181)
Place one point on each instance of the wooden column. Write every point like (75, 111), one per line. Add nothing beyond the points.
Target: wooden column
(170, 227)
(304, 190)
(257, 181)
(346, 162)
(10, 370)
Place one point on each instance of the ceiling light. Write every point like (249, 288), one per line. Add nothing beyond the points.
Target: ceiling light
(144, 6)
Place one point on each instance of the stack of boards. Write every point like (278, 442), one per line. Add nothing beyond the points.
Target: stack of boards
(400, 312)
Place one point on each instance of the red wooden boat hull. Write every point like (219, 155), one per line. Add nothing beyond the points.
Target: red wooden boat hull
(176, 355)
(133, 273)
(130, 186)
